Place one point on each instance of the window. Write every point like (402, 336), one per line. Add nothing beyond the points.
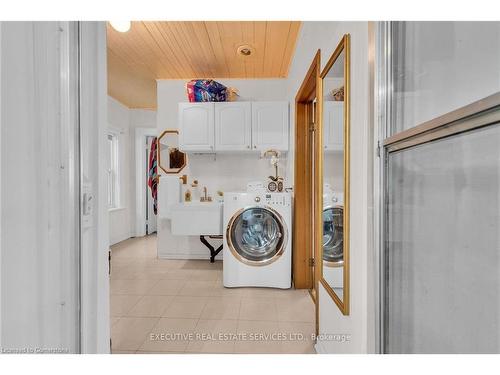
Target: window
(113, 171)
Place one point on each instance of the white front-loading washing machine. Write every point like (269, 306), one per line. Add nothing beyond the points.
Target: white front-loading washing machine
(257, 247)
(333, 236)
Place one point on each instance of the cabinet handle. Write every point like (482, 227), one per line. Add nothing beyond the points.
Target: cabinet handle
(254, 146)
(248, 146)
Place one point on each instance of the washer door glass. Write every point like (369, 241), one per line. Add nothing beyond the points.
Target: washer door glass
(333, 234)
(257, 235)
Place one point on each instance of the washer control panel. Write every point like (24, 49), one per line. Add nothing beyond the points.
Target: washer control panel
(277, 199)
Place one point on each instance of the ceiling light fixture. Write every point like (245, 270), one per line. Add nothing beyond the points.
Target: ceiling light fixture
(121, 26)
(245, 50)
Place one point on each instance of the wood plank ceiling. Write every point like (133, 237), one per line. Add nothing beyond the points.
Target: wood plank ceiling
(190, 50)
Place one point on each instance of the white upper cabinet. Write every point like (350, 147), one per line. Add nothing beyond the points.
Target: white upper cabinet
(233, 126)
(334, 126)
(270, 126)
(196, 125)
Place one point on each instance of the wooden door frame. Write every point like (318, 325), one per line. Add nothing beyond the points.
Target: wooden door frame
(303, 208)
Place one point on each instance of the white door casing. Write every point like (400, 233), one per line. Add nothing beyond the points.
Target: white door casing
(95, 323)
(141, 172)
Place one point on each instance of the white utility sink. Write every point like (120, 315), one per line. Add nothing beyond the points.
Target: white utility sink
(197, 218)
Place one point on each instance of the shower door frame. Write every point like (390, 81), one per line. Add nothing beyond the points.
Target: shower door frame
(479, 114)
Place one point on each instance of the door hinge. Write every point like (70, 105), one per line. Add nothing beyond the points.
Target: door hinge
(314, 103)
(312, 262)
(312, 127)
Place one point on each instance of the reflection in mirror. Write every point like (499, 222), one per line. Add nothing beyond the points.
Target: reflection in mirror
(170, 159)
(335, 158)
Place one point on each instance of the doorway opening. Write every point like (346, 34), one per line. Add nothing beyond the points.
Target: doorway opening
(150, 215)
(145, 218)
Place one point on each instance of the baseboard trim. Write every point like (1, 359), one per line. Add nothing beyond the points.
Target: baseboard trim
(118, 239)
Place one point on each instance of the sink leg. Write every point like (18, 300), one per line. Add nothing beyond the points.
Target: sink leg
(213, 252)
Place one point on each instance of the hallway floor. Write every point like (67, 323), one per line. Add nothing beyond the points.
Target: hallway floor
(180, 306)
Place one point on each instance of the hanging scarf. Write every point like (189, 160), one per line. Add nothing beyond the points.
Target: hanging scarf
(153, 174)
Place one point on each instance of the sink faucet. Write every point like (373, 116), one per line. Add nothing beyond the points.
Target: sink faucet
(205, 197)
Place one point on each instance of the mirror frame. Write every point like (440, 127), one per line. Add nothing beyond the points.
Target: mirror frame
(343, 304)
(177, 170)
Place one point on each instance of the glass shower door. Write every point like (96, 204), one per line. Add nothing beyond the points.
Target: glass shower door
(439, 86)
(442, 256)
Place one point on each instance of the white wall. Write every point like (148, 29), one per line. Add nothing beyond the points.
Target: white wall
(326, 36)
(120, 117)
(171, 92)
(223, 172)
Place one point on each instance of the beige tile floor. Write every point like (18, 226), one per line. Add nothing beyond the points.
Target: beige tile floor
(181, 306)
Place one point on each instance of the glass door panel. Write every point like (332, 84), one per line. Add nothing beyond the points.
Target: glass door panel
(442, 260)
(438, 67)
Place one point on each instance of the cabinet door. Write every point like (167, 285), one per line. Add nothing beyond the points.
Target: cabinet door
(196, 126)
(233, 123)
(334, 126)
(270, 125)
